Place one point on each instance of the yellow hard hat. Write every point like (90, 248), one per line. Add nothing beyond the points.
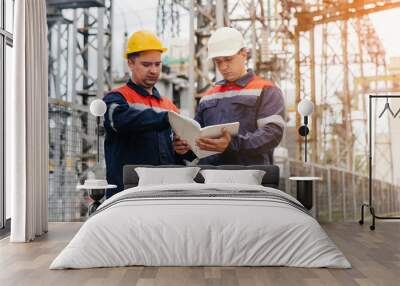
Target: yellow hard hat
(143, 41)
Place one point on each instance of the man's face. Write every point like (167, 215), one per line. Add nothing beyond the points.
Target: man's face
(146, 68)
(232, 67)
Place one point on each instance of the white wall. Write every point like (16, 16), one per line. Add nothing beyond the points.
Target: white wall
(395, 128)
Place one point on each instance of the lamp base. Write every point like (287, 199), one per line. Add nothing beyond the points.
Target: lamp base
(305, 193)
(96, 195)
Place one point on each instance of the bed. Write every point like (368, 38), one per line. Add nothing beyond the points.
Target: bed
(198, 224)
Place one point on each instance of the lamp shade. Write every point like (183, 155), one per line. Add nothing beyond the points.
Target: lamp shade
(98, 107)
(305, 107)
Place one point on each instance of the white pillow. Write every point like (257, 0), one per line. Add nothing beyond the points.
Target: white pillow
(166, 176)
(248, 177)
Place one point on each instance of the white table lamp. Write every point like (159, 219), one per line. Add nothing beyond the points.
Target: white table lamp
(96, 183)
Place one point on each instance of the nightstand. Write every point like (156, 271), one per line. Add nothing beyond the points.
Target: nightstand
(305, 190)
(96, 193)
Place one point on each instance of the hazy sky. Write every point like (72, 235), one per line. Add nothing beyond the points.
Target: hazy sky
(386, 24)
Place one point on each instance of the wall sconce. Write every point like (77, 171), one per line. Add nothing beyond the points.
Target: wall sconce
(305, 108)
(98, 108)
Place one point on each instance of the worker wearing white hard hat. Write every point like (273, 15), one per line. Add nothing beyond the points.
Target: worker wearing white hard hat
(241, 96)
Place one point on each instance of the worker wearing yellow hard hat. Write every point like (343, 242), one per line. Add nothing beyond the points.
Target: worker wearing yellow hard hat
(136, 122)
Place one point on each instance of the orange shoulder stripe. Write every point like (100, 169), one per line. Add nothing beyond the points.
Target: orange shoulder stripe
(132, 96)
(256, 83)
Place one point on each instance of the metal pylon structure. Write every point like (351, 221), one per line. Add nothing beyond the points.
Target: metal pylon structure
(58, 37)
(79, 70)
(248, 16)
(80, 48)
(316, 48)
(350, 48)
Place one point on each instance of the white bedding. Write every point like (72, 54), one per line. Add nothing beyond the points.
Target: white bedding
(183, 231)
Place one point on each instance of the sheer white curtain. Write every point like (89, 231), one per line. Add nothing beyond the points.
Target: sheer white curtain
(26, 123)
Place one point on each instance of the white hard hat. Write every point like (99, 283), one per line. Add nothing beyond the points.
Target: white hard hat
(225, 42)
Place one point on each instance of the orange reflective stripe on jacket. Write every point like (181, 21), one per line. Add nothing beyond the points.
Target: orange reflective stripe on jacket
(135, 99)
(254, 87)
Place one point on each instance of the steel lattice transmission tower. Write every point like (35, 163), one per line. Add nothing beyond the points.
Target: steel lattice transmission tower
(80, 47)
(283, 39)
(205, 16)
(343, 25)
(79, 70)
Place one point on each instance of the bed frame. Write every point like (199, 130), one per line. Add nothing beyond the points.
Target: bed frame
(270, 179)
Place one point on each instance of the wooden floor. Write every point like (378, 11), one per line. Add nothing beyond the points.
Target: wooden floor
(375, 257)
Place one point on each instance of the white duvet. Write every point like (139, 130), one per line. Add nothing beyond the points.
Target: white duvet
(185, 231)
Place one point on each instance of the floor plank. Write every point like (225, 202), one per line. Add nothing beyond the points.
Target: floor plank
(374, 255)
